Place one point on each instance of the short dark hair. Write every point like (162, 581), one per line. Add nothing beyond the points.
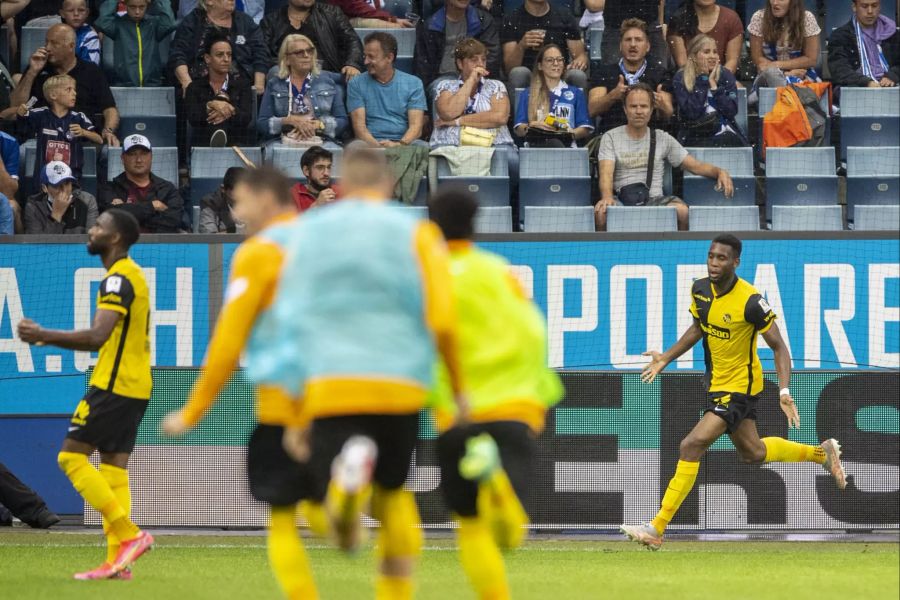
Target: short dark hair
(126, 225)
(268, 179)
(387, 42)
(453, 208)
(231, 177)
(214, 39)
(313, 154)
(728, 239)
(640, 86)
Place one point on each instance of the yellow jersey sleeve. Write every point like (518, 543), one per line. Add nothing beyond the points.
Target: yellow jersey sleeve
(116, 294)
(251, 285)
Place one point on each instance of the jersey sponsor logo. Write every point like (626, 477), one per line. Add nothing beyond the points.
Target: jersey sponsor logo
(716, 332)
(82, 412)
(702, 298)
(114, 284)
(240, 40)
(111, 299)
(764, 305)
(726, 318)
(49, 132)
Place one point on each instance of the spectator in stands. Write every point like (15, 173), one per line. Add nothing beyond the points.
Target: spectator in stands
(535, 25)
(319, 189)
(706, 95)
(550, 104)
(145, 24)
(302, 105)
(624, 161)
(153, 201)
(697, 17)
(218, 17)
(370, 15)
(784, 43)
(338, 45)
(437, 37)
(616, 12)
(74, 13)
(386, 106)
(216, 214)
(58, 130)
(9, 176)
(219, 105)
(255, 9)
(866, 51)
(93, 97)
(609, 82)
(59, 207)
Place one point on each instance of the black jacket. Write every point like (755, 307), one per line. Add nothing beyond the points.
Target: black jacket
(337, 44)
(150, 220)
(843, 58)
(240, 96)
(79, 217)
(431, 39)
(249, 51)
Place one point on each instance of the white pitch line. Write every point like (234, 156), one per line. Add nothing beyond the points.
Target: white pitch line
(307, 546)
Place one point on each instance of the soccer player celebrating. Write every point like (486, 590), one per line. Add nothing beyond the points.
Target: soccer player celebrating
(108, 416)
(728, 314)
(503, 360)
(364, 299)
(263, 201)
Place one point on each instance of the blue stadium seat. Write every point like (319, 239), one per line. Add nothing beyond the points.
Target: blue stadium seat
(287, 160)
(741, 116)
(869, 117)
(208, 166)
(877, 218)
(800, 176)
(724, 218)
(493, 219)
(700, 191)
(147, 111)
(492, 190)
(767, 101)
(88, 172)
(559, 219)
(638, 219)
(406, 45)
(31, 39)
(807, 218)
(165, 164)
(873, 177)
(554, 177)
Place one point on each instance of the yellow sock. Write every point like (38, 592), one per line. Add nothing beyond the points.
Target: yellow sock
(679, 487)
(499, 505)
(388, 587)
(316, 518)
(288, 557)
(96, 491)
(117, 478)
(481, 559)
(782, 450)
(399, 538)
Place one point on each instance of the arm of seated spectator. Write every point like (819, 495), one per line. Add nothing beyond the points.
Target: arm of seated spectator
(677, 48)
(595, 5)
(336, 123)
(166, 217)
(358, 119)
(577, 55)
(489, 119)
(9, 185)
(601, 98)
(841, 50)
(807, 60)
(756, 53)
(725, 94)
(664, 105)
(722, 177)
(733, 53)
(22, 91)
(416, 119)
(110, 126)
(10, 8)
(513, 54)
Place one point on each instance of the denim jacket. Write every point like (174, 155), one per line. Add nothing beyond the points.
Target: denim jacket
(327, 97)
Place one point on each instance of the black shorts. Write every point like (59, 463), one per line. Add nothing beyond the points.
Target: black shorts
(107, 421)
(732, 408)
(518, 450)
(275, 477)
(394, 435)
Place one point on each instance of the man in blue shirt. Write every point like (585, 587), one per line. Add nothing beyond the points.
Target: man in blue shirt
(386, 106)
(9, 179)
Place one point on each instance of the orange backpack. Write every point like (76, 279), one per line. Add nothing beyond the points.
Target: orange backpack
(788, 123)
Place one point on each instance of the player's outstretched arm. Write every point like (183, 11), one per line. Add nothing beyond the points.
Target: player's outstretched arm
(783, 369)
(89, 340)
(658, 361)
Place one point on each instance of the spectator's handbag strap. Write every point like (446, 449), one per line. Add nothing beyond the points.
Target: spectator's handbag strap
(650, 159)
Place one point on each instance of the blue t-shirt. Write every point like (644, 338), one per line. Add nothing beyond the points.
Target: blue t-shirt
(6, 216)
(566, 103)
(386, 104)
(55, 141)
(9, 154)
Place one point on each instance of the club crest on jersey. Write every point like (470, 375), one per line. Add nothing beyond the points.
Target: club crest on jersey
(726, 318)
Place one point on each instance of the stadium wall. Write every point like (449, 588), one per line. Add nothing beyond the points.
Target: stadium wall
(607, 298)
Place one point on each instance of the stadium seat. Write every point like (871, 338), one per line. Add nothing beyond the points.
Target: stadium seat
(554, 177)
(398, 8)
(419, 212)
(807, 218)
(494, 219)
(873, 177)
(595, 41)
(287, 160)
(147, 111)
(559, 219)
(406, 45)
(492, 190)
(88, 172)
(208, 166)
(877, 218)
(800, 176)
(165, 164)
(741, 116)
(724, 218)
(869, 117)
(700, 191)
(30, 40)
(638, 219)
(767, 101)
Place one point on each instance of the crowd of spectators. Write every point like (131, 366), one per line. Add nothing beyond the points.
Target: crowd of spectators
(481, 75)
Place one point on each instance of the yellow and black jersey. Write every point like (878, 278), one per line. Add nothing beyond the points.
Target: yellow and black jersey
(123, 367)
(730, 321)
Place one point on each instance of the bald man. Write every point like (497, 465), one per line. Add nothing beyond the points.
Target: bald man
(57, 57)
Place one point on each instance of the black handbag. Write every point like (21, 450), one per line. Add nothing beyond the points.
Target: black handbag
(638, 194)
(537, 138)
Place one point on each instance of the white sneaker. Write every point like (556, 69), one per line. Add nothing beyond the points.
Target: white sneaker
(352, 469)
(833, 463)
(644, 534)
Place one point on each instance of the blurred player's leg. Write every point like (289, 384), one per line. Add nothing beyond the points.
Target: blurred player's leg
(117, 478)
(316, 517)
(481, 559)
(287, 555)
(350, 490)
(399, 542)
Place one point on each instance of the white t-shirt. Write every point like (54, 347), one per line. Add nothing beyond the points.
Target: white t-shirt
(631, 155)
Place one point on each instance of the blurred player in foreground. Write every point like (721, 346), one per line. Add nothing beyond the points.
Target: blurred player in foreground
(728, 315)
(108, 416)
(503, 360)
(262, 200)
(364, 299)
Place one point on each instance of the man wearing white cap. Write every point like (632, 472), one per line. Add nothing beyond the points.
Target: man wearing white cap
(59, 208)
(153, 201)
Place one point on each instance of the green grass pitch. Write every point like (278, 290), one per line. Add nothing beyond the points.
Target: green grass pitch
(39, 565)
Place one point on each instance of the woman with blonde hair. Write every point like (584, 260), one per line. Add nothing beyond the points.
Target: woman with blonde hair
(551, 113)
(706, 98)
(302, 105)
